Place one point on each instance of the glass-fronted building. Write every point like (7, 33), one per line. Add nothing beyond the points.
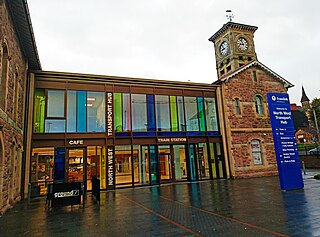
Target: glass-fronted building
(128, 132)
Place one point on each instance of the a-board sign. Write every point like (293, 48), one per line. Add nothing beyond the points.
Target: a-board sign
(64, 194)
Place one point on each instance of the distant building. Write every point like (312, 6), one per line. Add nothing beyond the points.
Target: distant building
(305, 100)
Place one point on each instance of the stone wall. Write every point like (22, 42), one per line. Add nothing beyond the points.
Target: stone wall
(243, 128)
(11, 112)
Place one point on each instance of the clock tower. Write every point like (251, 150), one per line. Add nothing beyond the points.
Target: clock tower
(234, 47)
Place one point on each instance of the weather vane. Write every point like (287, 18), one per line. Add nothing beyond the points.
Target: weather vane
(229, 15)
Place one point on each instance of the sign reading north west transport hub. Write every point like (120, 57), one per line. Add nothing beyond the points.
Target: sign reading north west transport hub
(285, 141)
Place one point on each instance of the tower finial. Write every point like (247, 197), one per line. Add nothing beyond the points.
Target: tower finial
(229, 15)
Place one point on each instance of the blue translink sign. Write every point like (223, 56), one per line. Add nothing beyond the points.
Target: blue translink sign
(284, 141)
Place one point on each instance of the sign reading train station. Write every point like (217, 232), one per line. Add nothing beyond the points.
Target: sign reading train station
(171, 139)
(284, 141)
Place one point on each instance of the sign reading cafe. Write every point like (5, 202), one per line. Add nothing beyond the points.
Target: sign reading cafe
(109, 114)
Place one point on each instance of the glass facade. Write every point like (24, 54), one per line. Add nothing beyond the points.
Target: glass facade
(146, 113)
(150, 141)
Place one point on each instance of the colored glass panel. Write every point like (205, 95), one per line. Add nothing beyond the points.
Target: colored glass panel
(118, 112)
(55, 125)
(126, 112)
(139, 112)
(72, 111)
(211, 114)
(162, 112)
(59, 164)
(191, 110)
(55, 104)
(96, 110)
(39, 110)
(151, 114)
(213, 162)
(202, 122)
(192, 162)
(154, 167)
(81, 111)
(181, 118)
(174, 114)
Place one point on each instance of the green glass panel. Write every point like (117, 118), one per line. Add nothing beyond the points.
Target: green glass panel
(118, 112)
(213, 163)
(174, 113)
(39, 110)
(201, 114)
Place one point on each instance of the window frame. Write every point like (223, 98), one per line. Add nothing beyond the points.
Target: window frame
(237, 106)
(258, 103)
(257, 152)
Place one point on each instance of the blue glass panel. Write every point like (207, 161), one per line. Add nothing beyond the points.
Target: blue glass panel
(196, 134)
(192, 164)
(144, 134)
(150, 113)
(82, 111)
(123, 134)
(213, 133)
(171, 134)
(59, 164)
(154, 166)
(72, 111)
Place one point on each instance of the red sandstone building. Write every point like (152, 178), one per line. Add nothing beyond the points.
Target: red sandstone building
(207, 131)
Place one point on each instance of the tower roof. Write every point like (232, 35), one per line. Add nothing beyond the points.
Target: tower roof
(232, 25)
(304, 97)
(255, 63)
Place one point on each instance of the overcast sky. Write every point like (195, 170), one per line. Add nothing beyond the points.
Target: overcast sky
(168, 39)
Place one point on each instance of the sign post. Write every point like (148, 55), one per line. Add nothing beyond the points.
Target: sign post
(285, 144)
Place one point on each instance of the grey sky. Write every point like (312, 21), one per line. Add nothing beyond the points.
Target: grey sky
(168, 39)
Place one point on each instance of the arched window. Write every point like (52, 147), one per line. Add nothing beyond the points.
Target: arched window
(237, 106)
(256, 152)
(4, 75)
(259, 104)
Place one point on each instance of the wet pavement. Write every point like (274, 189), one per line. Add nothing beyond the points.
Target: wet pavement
(248, 207)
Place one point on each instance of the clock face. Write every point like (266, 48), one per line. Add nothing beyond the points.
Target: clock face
(224, 47)
(242, 44)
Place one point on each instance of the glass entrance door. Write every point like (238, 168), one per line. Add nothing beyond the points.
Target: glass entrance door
(76, 169)
(180, 163)
(165, 163)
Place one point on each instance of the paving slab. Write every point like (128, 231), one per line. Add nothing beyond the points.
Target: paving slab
(246, 207)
